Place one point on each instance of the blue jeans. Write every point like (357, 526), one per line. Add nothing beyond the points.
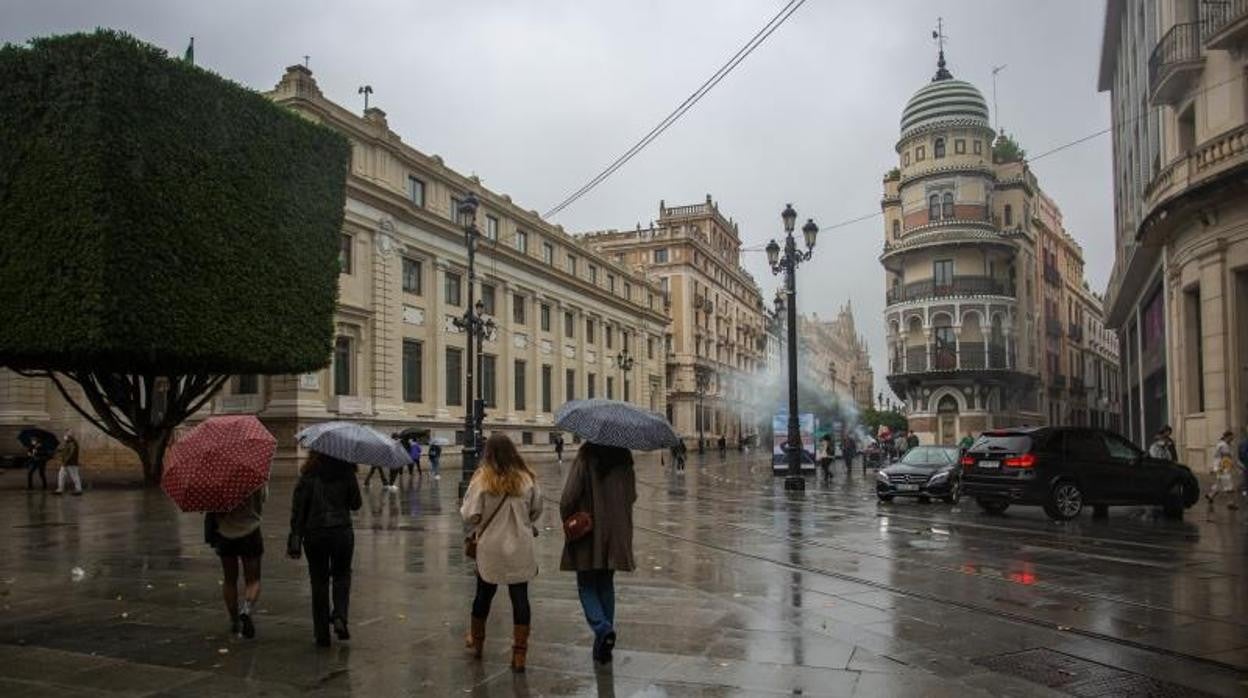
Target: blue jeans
(597, 591)
(433, 464)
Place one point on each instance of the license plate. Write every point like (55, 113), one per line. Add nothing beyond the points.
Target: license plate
(989, 464)
(907, 488)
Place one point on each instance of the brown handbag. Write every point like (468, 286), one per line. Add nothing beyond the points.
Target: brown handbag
(579, 524)
(470, 541)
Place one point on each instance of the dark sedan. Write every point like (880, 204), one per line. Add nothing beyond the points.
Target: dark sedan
(924, 472)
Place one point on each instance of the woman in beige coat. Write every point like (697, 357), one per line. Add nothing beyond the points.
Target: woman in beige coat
(502, 505)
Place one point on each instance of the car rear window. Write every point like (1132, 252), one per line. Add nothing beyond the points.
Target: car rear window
(1002, 443)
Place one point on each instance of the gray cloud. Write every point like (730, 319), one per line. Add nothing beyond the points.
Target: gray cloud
(538, 97)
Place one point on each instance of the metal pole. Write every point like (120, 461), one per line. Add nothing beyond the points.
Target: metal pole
(470, 435)
(794, 481)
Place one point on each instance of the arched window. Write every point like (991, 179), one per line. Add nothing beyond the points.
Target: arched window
(1009, 215)
(933, 207)
(896, 228)
(938, 148)
(948, 206)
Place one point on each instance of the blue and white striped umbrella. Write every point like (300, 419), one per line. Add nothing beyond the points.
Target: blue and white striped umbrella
(354, 443)
(615, 423)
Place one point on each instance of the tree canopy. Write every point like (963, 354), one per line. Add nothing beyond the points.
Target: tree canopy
(1006, 149)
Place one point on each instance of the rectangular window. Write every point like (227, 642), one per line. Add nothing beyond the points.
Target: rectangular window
(905, 158)
(489, 380)
(569, 325)
(247, 384)
(589, 330)
(545, 317)
(959, 146)
(454, 212)
(412, 276)
(547, 379)
(571, 265)
(920, 153)
(522, 242)
(487, 298)
(1194, 350)
(491, 227)
(451, 288)
(978, 147)
(569, 385)
(660, 256)
(344, 254)
(454, 376)
(942, 273)
(517, 309)
(342, 366)
(611, 283)
(610, 387)
(520, 376)
(649, 347)
(610, 334)
(416, 191)
(413, 371)
(590, 380)
(593, 275)
(548, 253)
(628, 291)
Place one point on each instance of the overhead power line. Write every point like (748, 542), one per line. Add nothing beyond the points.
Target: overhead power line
(755, 41)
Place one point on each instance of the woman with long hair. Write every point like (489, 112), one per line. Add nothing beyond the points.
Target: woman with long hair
(502, 505)
(320, 524)
(601, 483)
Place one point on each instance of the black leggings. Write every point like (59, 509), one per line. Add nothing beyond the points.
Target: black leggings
(519, 593)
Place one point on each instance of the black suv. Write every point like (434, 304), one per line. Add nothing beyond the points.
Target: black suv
(1065, 468)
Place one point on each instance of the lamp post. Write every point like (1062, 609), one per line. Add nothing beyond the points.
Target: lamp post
(476, 326)
(625, 362)
(703, 382)
(788, 264)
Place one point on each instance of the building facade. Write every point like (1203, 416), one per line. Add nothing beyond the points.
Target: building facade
(835, 357)
(984, 313)
(565, 315)
(1178, 293)
(716, 347)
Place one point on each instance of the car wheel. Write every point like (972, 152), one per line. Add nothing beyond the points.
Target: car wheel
(993, 506)
(885, 498)
(1065, 501)
(955, 492)
(1176, 497)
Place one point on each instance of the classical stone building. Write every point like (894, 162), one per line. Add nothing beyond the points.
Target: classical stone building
(979, 272)
(717, 343)
(1178, 293)
(836, 358)
(564, 312)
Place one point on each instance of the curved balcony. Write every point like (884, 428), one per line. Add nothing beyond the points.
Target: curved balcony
(1175, 64)
(969, 356)
(946, 234)
(958, 286)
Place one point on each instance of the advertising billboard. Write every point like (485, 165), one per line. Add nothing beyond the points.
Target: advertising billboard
(780, 436)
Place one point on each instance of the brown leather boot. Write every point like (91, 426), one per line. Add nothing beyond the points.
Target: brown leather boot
(519, 648)
(475, 641)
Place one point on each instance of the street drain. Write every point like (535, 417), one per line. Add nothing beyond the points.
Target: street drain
(1080, 677)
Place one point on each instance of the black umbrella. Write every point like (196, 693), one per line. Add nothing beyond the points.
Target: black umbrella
(46, 438)
(414, 433)
(614, 423)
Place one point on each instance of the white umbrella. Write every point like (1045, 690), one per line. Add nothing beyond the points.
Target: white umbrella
(354, 443)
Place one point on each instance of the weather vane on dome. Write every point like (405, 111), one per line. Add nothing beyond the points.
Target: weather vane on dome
(939, 36)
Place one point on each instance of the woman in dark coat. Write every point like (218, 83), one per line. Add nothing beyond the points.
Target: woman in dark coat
(320, 515)
(601, 482)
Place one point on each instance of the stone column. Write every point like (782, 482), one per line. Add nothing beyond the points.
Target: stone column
(438, 328)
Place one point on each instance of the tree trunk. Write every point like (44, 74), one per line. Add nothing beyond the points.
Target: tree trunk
(152, 455)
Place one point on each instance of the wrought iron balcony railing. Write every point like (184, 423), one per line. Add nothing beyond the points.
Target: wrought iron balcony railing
(1174, 62)
(957, 286)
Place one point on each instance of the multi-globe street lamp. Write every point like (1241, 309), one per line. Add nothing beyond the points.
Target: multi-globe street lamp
(625, 362)
(788, 263)
(477, 327)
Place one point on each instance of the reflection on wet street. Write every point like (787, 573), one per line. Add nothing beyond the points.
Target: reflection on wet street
(742, 589)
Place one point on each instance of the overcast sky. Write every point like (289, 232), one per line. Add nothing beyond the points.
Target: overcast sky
(537, 97)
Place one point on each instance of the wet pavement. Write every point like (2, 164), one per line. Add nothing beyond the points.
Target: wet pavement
(742, 589)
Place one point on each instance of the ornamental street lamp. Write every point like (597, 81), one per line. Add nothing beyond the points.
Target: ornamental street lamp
(703, 380)
(477, 327)
(788, 263)
(625, 362)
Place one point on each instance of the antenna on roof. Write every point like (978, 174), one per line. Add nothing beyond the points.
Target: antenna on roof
(996, 114)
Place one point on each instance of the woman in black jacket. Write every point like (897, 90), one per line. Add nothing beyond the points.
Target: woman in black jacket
(320, 520)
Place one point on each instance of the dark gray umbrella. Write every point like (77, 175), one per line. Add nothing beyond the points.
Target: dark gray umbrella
(354, 443)
(614, 423)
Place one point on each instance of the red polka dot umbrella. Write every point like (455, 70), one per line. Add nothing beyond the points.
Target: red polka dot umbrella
(219, 463)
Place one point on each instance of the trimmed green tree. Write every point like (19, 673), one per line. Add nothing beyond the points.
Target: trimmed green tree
(161, 228)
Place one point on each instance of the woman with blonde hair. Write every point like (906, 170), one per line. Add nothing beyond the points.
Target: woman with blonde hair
(502, 505)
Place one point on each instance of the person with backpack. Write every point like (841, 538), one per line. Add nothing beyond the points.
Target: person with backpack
(502, 505)
(321, 527)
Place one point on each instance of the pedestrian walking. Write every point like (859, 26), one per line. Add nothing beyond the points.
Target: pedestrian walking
(559, 448)
(413, 449)
(37, 456)
(824, 455)
(723, 446)
(1222, 467)
(381, 473)
(602, 485)
(1163, 445)
(236, 538)
(435, 454)
(502, 505)
(67, 454)
(321, 528)
(849, 450)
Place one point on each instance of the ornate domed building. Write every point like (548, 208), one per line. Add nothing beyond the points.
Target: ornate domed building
(958, 259)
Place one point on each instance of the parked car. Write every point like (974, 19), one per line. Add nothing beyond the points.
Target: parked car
(1064, 469)
(924, 472)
